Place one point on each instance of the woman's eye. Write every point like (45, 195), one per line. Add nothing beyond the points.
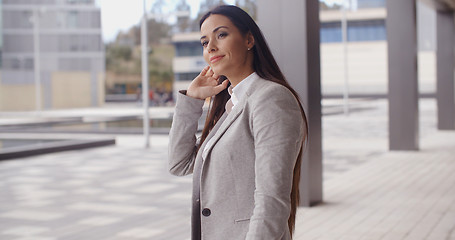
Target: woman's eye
(221, 35)
(204, 44)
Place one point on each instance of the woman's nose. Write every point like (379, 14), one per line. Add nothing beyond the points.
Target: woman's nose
(211, 47)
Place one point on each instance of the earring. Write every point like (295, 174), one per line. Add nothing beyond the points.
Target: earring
(249, 49)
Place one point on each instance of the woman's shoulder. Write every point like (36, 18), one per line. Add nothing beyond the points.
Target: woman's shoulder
(263, 90)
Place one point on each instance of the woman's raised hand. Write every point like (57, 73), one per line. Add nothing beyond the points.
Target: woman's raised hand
(205, 85)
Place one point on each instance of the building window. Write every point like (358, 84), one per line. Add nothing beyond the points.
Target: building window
(369, 30)
(370, 3)
(373, 30)
(75, 64)
(28, 64)
(188, 49)
(330, 32)
(189, 76)
(17, 19)
(12, 63)
(79, 1)
(72, 19)
(80, 43)
(17, 43)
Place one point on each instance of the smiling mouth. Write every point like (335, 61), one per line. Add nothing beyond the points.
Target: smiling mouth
(215, 59)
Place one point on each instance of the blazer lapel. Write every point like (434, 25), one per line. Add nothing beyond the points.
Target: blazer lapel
(212, 132)
(231, 117)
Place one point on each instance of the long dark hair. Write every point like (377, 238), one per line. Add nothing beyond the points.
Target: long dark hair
(265, 66)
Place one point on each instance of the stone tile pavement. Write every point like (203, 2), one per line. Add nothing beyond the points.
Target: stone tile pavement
(125, 191)
(117, 192)
(398, 195)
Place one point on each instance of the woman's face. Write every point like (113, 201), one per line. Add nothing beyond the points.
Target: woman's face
(225, 47)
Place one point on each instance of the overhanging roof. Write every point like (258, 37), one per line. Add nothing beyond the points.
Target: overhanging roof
(441, 5)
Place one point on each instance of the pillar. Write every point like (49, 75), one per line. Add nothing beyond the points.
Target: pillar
(291, 28)
(445, 30)
(403, 86)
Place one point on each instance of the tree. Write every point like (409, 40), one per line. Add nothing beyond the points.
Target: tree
(325, 6)
(209, 4)
(205, 6)
(248, 6)
(157, 7)
(155, 31)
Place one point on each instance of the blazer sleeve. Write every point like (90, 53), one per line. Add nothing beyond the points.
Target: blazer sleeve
(182, 136)
(278, 135)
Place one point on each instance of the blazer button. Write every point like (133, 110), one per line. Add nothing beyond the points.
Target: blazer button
(206, 212)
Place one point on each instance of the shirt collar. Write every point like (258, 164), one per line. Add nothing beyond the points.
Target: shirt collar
(239, 91)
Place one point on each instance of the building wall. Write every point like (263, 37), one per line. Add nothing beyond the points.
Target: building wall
(69, 89)
(20, 96)
(367, 52)
(367, 69)
(70, 38)
(101, 89)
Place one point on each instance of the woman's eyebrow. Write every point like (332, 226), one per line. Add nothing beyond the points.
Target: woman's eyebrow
(215, 30)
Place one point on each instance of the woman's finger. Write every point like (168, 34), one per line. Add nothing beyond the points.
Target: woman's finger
(221, 86)
(204, 71)
(209, 73)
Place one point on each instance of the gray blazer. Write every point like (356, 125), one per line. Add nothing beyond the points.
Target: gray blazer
(245, 178)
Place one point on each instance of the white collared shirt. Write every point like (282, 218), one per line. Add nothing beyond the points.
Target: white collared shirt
(237, 93)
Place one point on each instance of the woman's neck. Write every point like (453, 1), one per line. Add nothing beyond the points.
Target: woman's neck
(236, 79)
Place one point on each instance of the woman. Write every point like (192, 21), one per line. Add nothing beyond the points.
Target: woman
(246, 164)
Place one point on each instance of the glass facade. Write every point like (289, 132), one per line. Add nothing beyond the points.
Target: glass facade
(371, 30)
(191, 49)
(70, 42)
(358, 31)
(188, 49)
(363, 29)
(330, 32)
(62, 32)
(370, 3)
(188, 76)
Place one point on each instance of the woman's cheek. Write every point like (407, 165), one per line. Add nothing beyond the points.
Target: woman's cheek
(206, 58)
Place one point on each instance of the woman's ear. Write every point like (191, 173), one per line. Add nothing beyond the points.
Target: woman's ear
(250, 40)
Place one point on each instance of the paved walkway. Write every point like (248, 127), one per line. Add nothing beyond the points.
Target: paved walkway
(399, 195)
(125, 191)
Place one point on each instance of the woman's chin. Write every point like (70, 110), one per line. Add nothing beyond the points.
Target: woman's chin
(216, 71)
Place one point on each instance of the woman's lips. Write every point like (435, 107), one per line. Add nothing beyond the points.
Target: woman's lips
(215, 59)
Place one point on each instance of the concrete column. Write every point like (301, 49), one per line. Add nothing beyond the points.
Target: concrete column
(291, 28)
(403, 86)
(445, 30)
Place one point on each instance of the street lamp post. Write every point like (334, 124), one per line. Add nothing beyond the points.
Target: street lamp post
(344, 26)
(145, 82)
(37, 58)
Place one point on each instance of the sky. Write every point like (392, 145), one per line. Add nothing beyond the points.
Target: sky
(120, 15)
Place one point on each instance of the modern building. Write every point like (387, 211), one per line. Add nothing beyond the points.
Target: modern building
(188, 61)
(68, 63)
(366, 51)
